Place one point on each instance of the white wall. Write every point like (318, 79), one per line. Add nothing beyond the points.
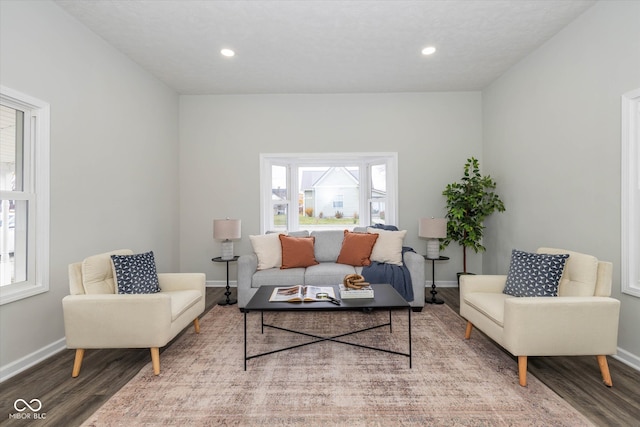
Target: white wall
(552, 141)
(222, 136)
(114, 169)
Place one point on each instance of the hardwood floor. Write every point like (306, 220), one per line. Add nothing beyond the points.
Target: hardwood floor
(69, 401)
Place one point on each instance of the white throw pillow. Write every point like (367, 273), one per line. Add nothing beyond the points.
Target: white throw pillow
(388, 247)
(268, 249)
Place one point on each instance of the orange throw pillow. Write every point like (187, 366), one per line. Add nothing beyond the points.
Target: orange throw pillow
(297, 251)
(356, 248)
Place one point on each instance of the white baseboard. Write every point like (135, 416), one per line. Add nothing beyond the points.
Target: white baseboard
(24, 363)
(443, 284)
(234, 284)
(628, 359)
(221, 284)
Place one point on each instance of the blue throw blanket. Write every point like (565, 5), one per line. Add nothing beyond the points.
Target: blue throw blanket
(397, 276)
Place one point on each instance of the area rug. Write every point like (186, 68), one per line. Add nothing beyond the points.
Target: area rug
(453, 382)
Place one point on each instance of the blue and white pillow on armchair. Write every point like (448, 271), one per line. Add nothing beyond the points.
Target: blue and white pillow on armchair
(136, 274)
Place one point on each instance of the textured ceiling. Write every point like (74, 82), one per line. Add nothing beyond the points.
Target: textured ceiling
(325, 46)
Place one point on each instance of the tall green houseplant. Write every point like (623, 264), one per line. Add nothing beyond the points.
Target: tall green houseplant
(469, 202)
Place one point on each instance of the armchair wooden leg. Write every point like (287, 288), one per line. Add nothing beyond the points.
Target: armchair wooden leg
(155, 360)
(467, 333)
(522, 370)
(196, 325)
(604, 370)
(77, 363)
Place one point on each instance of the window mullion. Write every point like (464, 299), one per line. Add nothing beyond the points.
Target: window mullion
(292, 197)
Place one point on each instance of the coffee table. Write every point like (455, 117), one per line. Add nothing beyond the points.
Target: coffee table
(386, 298)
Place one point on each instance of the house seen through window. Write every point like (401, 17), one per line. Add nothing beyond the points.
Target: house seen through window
(327, 191)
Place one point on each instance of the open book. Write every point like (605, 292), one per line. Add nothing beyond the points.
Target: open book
(303, 293)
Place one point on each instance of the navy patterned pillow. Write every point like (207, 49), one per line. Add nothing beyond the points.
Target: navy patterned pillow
(534, 275)
(136, 274)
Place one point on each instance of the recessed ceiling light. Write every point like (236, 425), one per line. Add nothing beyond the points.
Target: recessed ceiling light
(227, 52)
(430, 50)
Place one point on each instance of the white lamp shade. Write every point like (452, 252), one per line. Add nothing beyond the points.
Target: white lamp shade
(432, 228)
(226, 229)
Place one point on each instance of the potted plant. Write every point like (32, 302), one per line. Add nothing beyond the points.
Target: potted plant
(469, 202)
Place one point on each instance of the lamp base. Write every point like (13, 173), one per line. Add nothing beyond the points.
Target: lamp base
(433, 248)
(227, 250)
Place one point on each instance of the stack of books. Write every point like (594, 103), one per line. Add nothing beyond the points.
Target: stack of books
(348, 293)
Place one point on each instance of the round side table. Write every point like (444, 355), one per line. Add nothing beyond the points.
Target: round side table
(227, 300)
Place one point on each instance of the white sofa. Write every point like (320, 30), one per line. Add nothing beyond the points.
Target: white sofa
(95, 316)
(581, 320)
(327, 248)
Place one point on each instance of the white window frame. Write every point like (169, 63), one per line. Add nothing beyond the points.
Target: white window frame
(36, 191)
(294, 160)
(630, 163)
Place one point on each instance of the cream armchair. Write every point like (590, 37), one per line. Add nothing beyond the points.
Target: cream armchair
(581, 320)
(95, 316)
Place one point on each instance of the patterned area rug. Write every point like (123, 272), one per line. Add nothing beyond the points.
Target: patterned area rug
(453, 382)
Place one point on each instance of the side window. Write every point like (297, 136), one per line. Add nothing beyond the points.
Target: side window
(631, 193)
(24, 195)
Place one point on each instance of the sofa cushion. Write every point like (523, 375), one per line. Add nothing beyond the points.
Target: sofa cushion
(388, 247)
(278, 277)
(327, 274)
(356, 248)
(136, 274)
(580, 273)
(268, 249)
(534, 275)
(97, 273)
(327, 244)
(297, 251)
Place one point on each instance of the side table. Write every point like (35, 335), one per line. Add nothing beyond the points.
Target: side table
(434, 299)
(227, 301)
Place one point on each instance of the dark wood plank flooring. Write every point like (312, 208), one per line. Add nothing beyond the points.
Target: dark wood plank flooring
(69, 401)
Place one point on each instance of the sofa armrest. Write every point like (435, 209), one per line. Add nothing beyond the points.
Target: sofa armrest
(247, 266)
(471, 283)
(182, 281)
(415, 264)
(544, 326)
(134, 321)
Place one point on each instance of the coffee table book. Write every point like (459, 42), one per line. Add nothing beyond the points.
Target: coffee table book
(347, 293)
(301, 293)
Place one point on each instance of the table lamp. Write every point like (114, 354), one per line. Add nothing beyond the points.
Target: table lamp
(433, 229)
(226, 230)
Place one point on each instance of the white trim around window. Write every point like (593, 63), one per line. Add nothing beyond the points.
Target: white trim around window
(288, 200)
(630, 163)
(34, 193)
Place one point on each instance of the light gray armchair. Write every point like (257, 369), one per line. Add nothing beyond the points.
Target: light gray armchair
(95, 316)
(581, 320)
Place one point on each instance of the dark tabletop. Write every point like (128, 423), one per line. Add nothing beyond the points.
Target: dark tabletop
(385, 298)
